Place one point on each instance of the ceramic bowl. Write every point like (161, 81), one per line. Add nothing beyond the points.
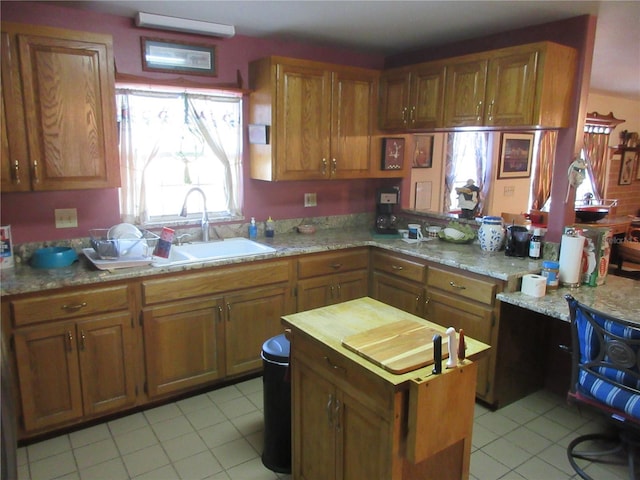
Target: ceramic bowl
(53, 257)
(307, 229)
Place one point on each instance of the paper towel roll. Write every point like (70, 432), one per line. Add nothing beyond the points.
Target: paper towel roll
(534, 285)
(570, 259)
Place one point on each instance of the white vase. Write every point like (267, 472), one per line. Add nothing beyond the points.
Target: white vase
(491, 234)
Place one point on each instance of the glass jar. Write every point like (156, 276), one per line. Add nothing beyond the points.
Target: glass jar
(551, 271)
(491, 234)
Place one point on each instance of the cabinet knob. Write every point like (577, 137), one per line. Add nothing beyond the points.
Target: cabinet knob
(334, 166)
(324, 167)
(16, 172)
(69, 341)
(83, 337)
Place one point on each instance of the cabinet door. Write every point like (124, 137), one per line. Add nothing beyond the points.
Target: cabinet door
(303, 112)
(48, 372)
(106, 363)
(182, 345)
(427, 96)
(465, 92)
(511, 89)
(252, 318)
(362, 441)
(398, 293)
(349, 286)
(314, 292)
(14, 157)
(352, 114)
(476, 321)
(313, 434)
(394, 100)
(69, 102)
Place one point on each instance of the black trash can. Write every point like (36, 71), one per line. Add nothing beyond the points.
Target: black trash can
(276, 454)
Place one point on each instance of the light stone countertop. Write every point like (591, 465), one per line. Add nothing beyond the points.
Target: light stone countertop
(618, 295)
(24, 279)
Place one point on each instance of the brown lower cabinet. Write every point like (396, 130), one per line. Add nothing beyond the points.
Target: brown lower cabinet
(84, 352)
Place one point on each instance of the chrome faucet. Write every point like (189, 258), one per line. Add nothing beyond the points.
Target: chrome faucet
(205, 216)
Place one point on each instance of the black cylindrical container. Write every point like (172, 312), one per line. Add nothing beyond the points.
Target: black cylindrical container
(276, 454)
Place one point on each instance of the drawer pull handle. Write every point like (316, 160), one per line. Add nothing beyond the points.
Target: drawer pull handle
(334, 166)
(336, 266)
(74, 307)
(324, 167)
(333, 365)
(336, 414)
(397, 267)
(459, 287)
(329, 410)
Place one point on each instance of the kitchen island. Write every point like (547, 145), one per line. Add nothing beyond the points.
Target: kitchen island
(353, 419)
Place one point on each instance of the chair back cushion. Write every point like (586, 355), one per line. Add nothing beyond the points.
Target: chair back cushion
(608, 362)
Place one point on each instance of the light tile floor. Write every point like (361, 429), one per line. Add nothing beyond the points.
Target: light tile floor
(218, 435)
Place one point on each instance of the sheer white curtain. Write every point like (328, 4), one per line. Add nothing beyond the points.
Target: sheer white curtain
(173, 141)
(466, 159)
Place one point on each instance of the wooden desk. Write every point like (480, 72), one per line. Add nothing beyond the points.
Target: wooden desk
(618, 225)
(353, 419)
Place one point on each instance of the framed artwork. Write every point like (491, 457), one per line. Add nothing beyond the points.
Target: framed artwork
(178, 57)
(392, 153)
(516, 150)
(423, 195)
(626, 167)
(423, 153)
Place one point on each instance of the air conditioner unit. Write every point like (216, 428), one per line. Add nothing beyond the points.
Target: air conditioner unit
(162, 22)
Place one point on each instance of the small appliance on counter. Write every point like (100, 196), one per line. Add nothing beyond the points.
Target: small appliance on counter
(517, 242)
(386, 220)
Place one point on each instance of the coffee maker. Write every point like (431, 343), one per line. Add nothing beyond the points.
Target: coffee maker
(386, 200)
(517, 242)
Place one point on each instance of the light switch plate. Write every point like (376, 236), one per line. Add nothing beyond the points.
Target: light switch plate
(66, 217)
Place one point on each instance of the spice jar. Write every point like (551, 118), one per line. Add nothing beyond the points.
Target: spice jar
(551, 271)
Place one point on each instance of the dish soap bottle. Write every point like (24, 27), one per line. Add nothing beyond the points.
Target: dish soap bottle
(269, 228)
(535, 245)
(253, 228)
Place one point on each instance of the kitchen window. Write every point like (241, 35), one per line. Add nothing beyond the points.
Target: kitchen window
(172, 141)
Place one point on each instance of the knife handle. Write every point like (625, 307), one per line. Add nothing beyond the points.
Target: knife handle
(462, 346)
(437, 354)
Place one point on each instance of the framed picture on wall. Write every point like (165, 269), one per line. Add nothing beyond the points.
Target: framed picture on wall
(392, 153)
(423, 153)
(626, 167)
(516, 151)
(174, 56)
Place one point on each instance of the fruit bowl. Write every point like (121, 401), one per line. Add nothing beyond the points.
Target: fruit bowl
(457, 233)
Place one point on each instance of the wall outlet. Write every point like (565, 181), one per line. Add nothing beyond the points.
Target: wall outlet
(66, 217)
(310, 200)
(509, 191)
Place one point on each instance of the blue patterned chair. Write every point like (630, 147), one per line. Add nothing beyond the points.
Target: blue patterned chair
(605, 376)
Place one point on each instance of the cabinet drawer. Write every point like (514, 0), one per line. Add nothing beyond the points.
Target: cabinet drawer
(212, 282)
(463, 285)
(399, 266)
(69, 305)
(327, 263)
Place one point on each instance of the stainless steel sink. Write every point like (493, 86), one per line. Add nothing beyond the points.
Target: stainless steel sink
(203, 252)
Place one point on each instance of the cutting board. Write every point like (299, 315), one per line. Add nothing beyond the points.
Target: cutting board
(398, 347)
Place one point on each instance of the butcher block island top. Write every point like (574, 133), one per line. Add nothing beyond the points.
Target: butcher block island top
(352, 417)
(353, 320)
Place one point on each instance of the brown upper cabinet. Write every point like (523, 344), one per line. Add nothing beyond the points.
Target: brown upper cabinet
(524, 86)
(528, 85)
(412, 97)
(58, 110)
(320, 118)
